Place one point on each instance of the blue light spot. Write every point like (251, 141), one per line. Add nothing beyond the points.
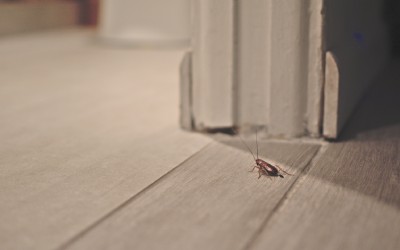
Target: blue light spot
(359, 37)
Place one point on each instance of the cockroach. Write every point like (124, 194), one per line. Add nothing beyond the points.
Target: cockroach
(264, 168)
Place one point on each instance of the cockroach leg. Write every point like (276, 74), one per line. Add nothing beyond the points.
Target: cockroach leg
(253, 168)
(262, 172)
(282, 170)
(264, 168)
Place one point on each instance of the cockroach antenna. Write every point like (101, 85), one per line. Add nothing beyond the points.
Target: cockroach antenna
(257, 142)
(264, 168)
(247, 146)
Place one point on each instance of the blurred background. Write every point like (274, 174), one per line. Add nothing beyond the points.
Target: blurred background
(125, 21)
(18, 16)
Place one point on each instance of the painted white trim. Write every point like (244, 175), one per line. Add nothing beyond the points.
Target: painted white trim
(261, 63)
(288, 69)
(331, 97)
(251, 67)
(315, 77)
(213, 63)
(186, 119)
(253, 63)
(280, 67)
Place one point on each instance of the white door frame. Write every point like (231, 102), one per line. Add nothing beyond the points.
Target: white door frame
(261, 63)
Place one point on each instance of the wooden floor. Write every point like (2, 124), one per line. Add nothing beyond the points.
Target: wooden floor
(91, 157)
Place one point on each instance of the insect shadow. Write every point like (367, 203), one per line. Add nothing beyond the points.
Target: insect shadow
(264, 168)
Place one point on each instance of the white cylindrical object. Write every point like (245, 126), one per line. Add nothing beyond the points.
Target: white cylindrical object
(149, 22)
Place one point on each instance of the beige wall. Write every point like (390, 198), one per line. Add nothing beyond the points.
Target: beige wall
(25, 17)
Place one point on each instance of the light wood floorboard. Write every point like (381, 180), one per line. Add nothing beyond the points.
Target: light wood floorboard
(84, 128)
(91, 157)
(209, 202)
(350, 198)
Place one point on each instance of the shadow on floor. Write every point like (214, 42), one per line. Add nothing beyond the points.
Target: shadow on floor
(378, 115)
(366, 158)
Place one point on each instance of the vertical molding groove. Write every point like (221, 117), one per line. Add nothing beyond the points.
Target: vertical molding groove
(213, 64)
(186, 92)
(315, 76)
(257, 63)
(253, 62)
(288, 91)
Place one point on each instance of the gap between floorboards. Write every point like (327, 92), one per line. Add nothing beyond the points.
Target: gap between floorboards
(288, 193)
(81, 234)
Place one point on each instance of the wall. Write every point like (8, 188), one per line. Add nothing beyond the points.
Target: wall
(356, 34)
(32, 16)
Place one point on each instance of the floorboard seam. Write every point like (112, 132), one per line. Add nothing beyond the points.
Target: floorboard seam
(81, 234)
(304, 172)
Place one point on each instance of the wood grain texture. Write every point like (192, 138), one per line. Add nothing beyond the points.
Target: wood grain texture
(82, 130)
(350, 198)
(51, 200)
(209, 202)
